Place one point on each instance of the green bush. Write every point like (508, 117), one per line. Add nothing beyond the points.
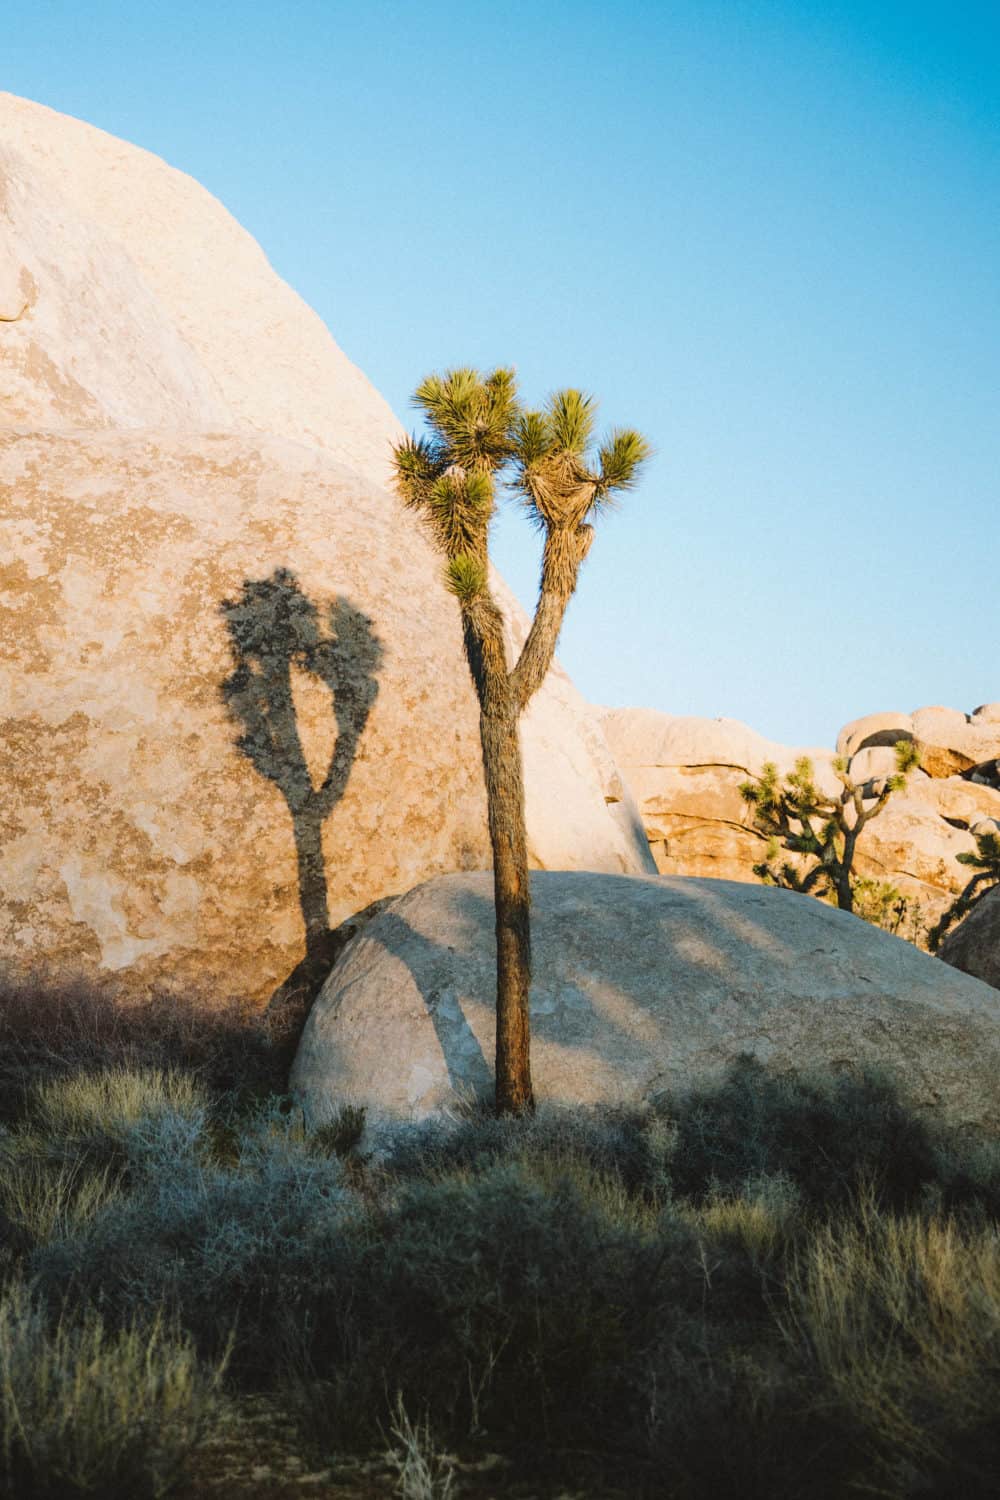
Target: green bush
(85, 1411)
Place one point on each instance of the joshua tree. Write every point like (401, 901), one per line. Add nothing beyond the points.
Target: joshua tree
(986, 863)
(480, 435)
(797, 816)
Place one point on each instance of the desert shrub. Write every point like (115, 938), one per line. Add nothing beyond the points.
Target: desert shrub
(45, 1198)
(85, 1138)
(826, 1134)
(900, 1319)
(341, 1135)
(52, 1030)
(823, 1134)
(632, 1145)
(86, 1411)
(235, 1251)
(492, 1302)
(110, 1103)
(422, 1473)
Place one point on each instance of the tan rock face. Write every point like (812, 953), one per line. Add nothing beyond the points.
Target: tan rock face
(233, 703)
(950, 744)
(205, 335)
(167, 600)
(641, 985)
(874, 731)
(83, 341)
(685, 775)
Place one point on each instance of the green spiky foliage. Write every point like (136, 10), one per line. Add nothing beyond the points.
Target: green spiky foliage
(480, 438)
(821, 830)
(986, 864)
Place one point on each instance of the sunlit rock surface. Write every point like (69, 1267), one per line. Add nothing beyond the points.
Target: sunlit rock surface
(179, 433)
(685, 773)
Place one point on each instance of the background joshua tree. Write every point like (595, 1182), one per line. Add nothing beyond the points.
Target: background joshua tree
(986, 863)
(795, 815)
(479, 434)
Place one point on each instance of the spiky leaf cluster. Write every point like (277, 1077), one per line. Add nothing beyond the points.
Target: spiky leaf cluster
(480, 434)
(472, 416)
(555, 472)
(465, 577)
(448, 476)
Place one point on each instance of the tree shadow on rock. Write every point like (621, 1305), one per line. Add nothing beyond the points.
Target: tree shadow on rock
(275, 630)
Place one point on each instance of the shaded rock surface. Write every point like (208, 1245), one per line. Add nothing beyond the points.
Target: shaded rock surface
(685, 775)
(974, 945)
(641, 984)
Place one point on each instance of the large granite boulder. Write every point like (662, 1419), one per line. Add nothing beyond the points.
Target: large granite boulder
(641, 984)
(974, 945)
(188, 462)
(233, 701)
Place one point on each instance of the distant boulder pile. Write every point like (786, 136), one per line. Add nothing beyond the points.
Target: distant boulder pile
(685, 775)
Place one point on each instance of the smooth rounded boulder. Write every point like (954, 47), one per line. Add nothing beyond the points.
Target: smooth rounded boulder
(641, 984)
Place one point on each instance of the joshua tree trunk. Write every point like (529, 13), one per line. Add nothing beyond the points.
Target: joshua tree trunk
(505, 798)
(487, 654)
(845, 895)
(478, 430)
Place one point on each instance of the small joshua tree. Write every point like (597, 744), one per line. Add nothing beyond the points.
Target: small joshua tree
(797, 816)
(986, 863)
(480, 435)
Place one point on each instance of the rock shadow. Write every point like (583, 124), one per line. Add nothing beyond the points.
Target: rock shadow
(432, 966)
(274, 631)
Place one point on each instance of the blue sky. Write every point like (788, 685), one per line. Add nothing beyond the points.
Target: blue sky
(766, 233)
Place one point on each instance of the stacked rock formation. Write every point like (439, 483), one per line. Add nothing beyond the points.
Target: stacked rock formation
(685, 775)
(234, 707)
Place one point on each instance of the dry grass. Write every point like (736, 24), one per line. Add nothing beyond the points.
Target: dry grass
(85, 1411)
(901, 1318)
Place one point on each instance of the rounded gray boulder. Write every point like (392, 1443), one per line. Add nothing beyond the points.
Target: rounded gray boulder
(641, 984)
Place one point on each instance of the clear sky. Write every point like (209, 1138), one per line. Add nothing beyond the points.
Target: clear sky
(766, 232)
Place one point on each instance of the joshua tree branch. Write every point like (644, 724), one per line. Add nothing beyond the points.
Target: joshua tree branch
(565, 549)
